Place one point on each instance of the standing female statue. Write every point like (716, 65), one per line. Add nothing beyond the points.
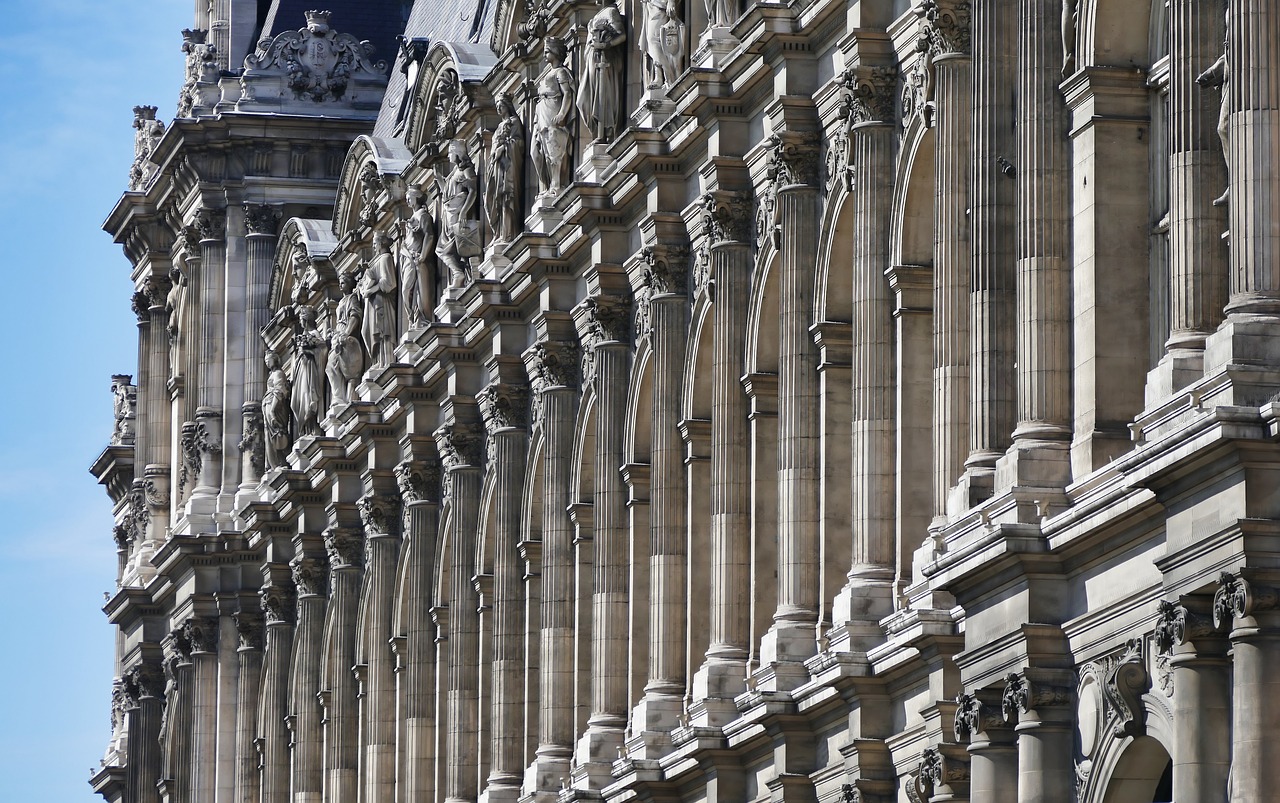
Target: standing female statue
(504, 175)
(662, 42)
(377, 288)
(275, 412)
(600, 97)
(460, 232)
(308, 381)
(551, 119)
(346, 359)
(415, 256)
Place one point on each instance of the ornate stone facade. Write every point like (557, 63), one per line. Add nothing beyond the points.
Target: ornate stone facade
(703, 401)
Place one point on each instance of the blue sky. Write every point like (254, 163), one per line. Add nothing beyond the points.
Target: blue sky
(70, 73)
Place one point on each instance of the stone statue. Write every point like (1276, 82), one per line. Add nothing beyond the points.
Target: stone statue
(308, 381)
(147, 133)
(275, 412)
(1070, 23)
(417, 273)
(661, 42)
(346, 356)
(603, 87)
(305, 278)
(125, 406)
(504, 176)
(377, 286)
(552, 117)
(721, 13)
(1219, 76)
(175, 304)
(460, 227)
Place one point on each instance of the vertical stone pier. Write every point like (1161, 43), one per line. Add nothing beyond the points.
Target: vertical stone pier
(419, 482)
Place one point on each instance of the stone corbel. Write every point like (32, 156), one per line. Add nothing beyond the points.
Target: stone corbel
(1123, 685)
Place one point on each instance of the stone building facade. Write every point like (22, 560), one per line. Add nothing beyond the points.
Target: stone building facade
(823, 400)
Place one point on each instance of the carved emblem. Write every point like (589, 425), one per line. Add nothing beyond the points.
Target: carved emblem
(318, 63)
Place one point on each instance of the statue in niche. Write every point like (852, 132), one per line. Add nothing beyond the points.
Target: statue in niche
(1218, 76)
(275, 412)
(600, 95)
(1070, 23)
(308, 380)
(721, 13)
(460, 229)
(346, 357)
(305, 277)
(505, 174)
(661, 42)
(552, 117)
(377, 287)
(417, 273)
(175, 304)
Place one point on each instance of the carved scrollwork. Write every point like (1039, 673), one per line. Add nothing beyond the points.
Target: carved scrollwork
(973, 716)
(345, 548)
(316, 62)
(1177, 625)
(1237, 598)
(1024, 693)
(1126, 682)
(310, 575)
(948, 25)
(943, 767)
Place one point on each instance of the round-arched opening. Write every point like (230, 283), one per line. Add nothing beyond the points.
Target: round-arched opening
(1144, 774)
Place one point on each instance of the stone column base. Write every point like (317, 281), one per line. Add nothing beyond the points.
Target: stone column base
(652, 721)
(1248, 351)
(655, 109)
(714, 47)
(1176, 370)
(545, 217)
(544, 779)
(597, 164)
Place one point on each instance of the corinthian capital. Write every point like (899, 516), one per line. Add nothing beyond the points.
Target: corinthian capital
(261, 218)
(726, 216)
(418, 481)
(667, 269)
(869, 95)
(460, 446)
(345, 548)
(794, 157)
(309, 575)
(377, 513)
(974, 716)
(552, 364)
(201, 633)
(210, 224)
(947, 25)
(504, 406)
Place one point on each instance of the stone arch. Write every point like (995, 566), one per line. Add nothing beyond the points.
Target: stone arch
(696, 398)
(389, 158)
(639, 422)
(1113, 33)
(469, 64)
(299, 237)
(833, 291)
(1133, 769)
(762, 316)
(911, 233)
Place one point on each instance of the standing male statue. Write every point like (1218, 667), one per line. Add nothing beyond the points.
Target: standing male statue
(377, 288)
(1219, 75)
(346, 358)
(662, 42)
(551, 119)
(460, 232)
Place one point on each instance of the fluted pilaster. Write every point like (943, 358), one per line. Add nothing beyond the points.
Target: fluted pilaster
(249, 657)
(203, 636)
(260, 245)
(338, 692)
(380, 517)
(175, 723)
(310, 576)
(145, 684)
(278, 607)
(420, 493)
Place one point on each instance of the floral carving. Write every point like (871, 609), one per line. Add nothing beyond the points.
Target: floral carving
(608, 320)
(793, 158)
(504, 406)
(947, 24)
(210, 224)
(261, 218)
(726, 216)
(309, 575)
(277, 603)
(868, 94)
(377, 512)
(318, 63)
(1177, 625)
(418, 481)
(201, 633)
(345, 548)
(666, 269)
(249, 629)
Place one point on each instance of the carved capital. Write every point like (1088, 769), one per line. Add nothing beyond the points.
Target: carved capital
(345, 548)
(460, 446)
(726, 216)
(1177, 625)
(1237, 598)
(201, 633)
(418, 481)
(143, 681)
(1028, 692)
(794, 157)
(277, 603)
(948, 26)
(310, 575)
(377, 514)
(504, 407)
(666, 269)
(210, 225)
(249, 629)
(608, 321)
(155, 291)
(943, 766)
(261, 218)
(973, 716)
(552, 364)
(868, 94)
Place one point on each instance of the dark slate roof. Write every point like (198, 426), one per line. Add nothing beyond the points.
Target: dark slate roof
(379, 21)
(440, 21)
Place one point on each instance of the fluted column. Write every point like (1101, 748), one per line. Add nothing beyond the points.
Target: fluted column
(1201, 700)
(260, 244)
(553, 373)
(338, 693)
(461, 448)
(1251, 611)
(379, 515)
(206, 434)
(726, 229)
(272, 739)
(419, 484)
(605, 329)
(945, 33)
(993, 201)
(505, 409)
(1197, 175)
(175, 723)
(1041, 702)
(867, 595)
(1253, 60)
(203, 636)
(305, 714)
(249, 655)
(155, 408)
(1039, 455)
(666, 324)
(145, 685)
(993, 752)
(793, 634)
